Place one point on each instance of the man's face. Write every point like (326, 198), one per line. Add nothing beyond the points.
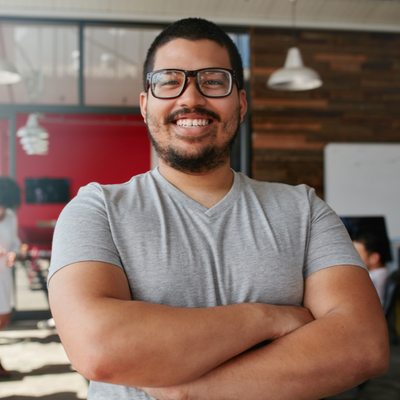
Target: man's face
(204, 145)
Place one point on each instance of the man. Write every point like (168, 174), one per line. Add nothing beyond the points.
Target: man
(372, 251)
(171, 286)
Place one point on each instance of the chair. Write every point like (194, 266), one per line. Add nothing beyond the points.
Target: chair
(391, 306)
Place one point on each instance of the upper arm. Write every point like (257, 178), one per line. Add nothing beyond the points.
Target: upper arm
(344, 298)
(329, 243)
(341, 288)
(83, 232)
(77, 295)
(88, 279)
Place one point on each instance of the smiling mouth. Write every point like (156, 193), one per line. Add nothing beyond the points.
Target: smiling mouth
(192, 123)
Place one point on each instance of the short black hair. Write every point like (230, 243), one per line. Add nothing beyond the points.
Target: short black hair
(10, 193)
(194, 29)
(373, 242)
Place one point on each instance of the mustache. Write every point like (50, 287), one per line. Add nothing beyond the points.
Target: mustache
(196, 110)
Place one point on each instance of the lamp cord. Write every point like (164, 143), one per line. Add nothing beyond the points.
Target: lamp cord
(293, 2)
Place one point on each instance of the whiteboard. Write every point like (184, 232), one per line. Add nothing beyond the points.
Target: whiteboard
(363, 179)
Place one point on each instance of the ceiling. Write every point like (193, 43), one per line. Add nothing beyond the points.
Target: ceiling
(368, 15)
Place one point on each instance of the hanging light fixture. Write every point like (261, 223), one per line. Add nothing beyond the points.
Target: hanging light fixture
(33, 137)
(8, 73)
(294, 75)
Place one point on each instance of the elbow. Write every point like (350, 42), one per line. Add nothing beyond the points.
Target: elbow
(375, 358)
(91, 357)
(379, 360)
(93, 366)
(100, 362)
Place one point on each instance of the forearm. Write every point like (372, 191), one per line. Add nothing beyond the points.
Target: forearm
(155, 345)
(346, 345)
(112, 339)
(317, 360)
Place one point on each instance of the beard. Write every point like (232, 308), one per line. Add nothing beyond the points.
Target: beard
(207, 158)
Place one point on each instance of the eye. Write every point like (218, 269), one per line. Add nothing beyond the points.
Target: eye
(169, 83)
(168, 80)
(212, 82)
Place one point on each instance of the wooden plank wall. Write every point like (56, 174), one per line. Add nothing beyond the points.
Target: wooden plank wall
(358, 102)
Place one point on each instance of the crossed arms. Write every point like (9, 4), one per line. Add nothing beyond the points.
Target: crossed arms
(338, 340)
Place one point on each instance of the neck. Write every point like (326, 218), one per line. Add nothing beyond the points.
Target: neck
(206, 189)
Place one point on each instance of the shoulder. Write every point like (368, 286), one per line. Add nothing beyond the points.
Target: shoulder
(135, 183)
(280, 194)
(96, 193)
(274, 188)
(98, 202)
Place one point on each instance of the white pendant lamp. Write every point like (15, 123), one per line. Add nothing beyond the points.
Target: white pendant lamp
(294, 76)
(33, 137)
(8, 73)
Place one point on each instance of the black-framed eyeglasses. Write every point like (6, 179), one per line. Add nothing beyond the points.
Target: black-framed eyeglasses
(211, 82)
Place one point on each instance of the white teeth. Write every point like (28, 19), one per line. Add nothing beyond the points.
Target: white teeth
(192, 122)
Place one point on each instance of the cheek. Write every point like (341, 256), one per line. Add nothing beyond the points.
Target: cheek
(157, 111)
(152, 124)
(158, 131)
(232, 122)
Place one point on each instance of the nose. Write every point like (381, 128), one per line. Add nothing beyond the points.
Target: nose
(191, 97)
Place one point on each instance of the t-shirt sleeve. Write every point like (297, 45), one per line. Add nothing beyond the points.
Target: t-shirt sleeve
(329, 243)
(83, 232)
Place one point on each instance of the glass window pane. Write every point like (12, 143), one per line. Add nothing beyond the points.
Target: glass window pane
(113, 64)
(242, 42)
(46, 56)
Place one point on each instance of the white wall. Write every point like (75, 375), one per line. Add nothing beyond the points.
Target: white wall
(364, 180)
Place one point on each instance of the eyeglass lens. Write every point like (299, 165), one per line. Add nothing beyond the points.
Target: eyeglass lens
(212, 83)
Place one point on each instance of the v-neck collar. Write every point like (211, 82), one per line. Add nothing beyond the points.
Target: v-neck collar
(222, 205)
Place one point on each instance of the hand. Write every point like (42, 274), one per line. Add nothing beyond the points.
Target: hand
(10, 258)
(2, 251)
(168, 393)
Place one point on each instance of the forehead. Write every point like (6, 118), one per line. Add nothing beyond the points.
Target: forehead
(191, 55)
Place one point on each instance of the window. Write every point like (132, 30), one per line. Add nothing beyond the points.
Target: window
(113, 64)
(45, 56)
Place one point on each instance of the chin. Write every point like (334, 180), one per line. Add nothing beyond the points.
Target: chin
(207, 159)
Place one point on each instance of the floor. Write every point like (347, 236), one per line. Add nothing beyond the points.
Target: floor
(38, 364)
(35, 357)
(40, 368)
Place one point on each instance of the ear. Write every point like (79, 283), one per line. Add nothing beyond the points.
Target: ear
(375, 258)
(242, 104)
(143, 104)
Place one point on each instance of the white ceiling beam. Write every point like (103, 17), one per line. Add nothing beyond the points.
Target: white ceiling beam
(362, 15)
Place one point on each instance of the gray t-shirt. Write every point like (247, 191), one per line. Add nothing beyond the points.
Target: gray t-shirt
(258, 244)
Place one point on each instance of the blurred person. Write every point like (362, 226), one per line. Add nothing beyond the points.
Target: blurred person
(371, 248)
(10, 199)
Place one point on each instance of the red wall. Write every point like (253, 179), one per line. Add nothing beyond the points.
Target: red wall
(84, 148)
